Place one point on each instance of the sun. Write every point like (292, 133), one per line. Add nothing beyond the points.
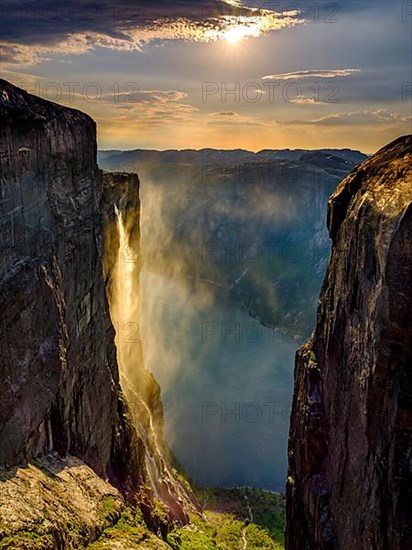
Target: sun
(237, 29)
(235, 34)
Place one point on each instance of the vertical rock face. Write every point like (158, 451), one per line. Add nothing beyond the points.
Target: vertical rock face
(350, 445)
(61, 392)
(60, 385)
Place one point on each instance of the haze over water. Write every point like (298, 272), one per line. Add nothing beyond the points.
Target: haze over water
(226, 380)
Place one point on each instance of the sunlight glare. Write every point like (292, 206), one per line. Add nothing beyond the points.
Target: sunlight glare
(235, 34)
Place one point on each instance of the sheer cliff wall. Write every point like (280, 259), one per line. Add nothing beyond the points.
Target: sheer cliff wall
(60, 383)
(350, 444)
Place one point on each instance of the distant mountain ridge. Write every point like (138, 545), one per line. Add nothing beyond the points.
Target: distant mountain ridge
(120, 160)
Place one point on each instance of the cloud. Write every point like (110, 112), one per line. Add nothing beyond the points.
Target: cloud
(149, 108)
(225, 114)
(231, 118)
(150, 116)
(304, 101)
(315, 73)
(40, 28)
(134, 95)
(362, 118)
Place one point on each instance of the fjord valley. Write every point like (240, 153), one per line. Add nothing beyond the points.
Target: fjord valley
(205, 275)
(233, 254)
(145, 326)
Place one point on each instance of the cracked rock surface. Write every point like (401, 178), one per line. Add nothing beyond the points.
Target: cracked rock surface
(350, 444)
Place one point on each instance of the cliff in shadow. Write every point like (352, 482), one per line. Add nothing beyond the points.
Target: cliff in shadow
(62, 406)
(350, 444)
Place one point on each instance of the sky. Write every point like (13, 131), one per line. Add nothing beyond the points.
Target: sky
(224, 74)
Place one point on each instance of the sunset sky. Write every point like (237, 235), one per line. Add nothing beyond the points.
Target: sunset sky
(192, 74)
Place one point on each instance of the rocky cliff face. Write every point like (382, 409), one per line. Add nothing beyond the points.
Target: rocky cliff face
(61, 395)
(350, 446)
(60, 382)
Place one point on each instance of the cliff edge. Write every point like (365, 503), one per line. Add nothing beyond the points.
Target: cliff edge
(74, 449)
(350, 445)
(60, 382)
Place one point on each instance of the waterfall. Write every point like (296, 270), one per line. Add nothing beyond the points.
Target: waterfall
(121, 271)
(142, 393)
(134, 378)
(125, 301)
(124, 309)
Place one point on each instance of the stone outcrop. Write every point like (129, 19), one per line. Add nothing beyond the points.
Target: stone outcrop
(55, 503)
(61, 397)
(350, 445)
(60, 384)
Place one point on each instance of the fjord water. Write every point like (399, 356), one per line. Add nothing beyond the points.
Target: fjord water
(226, 382)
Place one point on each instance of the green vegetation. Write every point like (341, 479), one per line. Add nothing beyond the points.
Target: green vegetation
(198, 535)
(259, 538)
(159, 518)
(110, 508)
(312, 357)
(129, 528)
(221, 532)
(27, 539)
(232, 518)
(267, 509)
(228, 530)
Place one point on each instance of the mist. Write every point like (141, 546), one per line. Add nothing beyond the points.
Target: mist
(231, 261)
(226, 379)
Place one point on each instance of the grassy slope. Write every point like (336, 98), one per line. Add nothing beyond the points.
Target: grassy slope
(56, 503)
(225, 525)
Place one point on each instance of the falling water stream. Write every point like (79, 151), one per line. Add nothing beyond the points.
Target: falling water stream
(125, 310)
(132, 373)
(138, 385)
